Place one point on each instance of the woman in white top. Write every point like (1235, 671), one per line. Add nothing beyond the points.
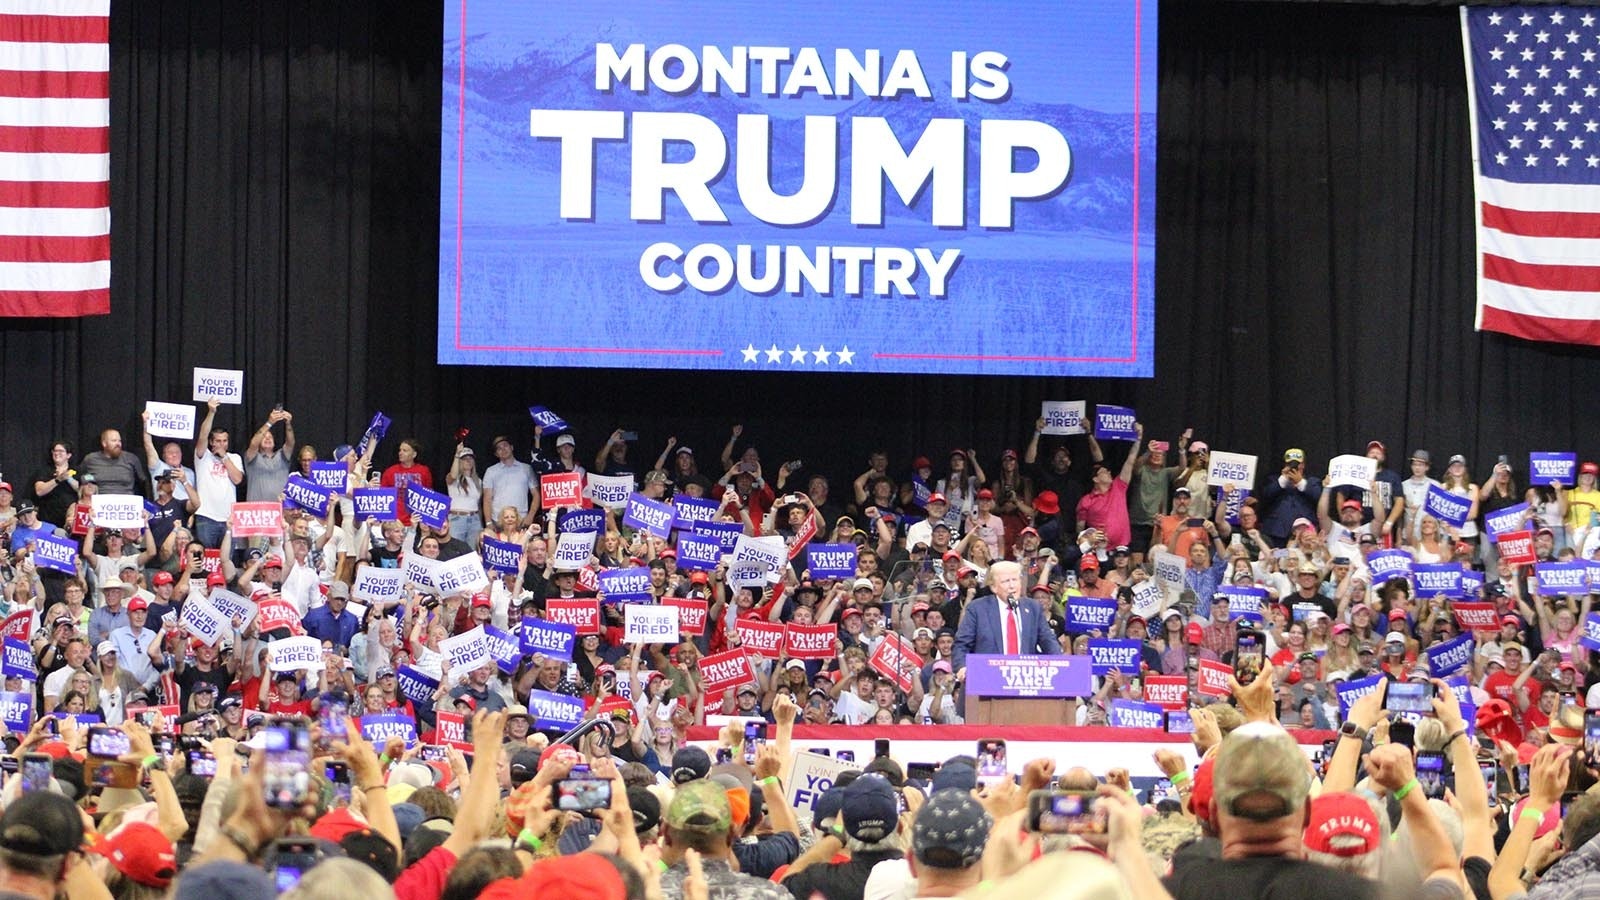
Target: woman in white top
(1435, 544)
(960, 487)
(466, 496)
(1457, 481)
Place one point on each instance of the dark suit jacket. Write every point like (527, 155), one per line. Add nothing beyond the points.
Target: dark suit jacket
(980, 632)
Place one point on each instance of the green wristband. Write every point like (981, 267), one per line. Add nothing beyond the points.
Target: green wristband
(151, 760)
(1178, 778)
(1405, 789)
(528, 839)
(1537, 815)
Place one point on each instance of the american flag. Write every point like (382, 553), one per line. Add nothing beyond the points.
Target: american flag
(1534, 76)
(55, 160)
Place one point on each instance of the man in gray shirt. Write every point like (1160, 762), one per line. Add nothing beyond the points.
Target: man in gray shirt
(266, 465)
(115, 471)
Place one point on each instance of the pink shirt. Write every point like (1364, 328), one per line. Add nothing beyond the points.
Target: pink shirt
(1108, 512)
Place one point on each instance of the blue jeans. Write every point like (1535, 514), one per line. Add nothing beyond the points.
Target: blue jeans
(467, 527)
(209, 531)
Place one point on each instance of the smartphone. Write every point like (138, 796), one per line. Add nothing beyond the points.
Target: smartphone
(37, 770)
(202, 764)
(1409, 697)
(824, 751)
(338, 774)
(1519, 779)
(1162, 789)
(753, 739)
(1567, 799)
(288, 754)
(724, 756)
(1160, 446)
(1180, 722)
(921, 771)
(582, 794)
(630, 435)
(9, 765)
(1491, 780)
(1065, 812)
(880, 748)
(1430, 773)
(1248, 650)
(1569, 698)
(1195, 522)
(434, 752)
(108, 742)
(1591, 735)
(334, 716)
(1402, 732)
(293, 858)
(992, 762)
(845, 755)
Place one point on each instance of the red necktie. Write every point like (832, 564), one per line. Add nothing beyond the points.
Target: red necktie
(1013, 646)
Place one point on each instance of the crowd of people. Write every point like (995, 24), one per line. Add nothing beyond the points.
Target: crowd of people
(202, 730)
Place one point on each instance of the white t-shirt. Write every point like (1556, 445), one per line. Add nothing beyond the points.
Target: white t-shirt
(948, 714)
(853, 710)
(56, 681)
(217, 491)
(302, 588)
(511, 483)
(1416, 494)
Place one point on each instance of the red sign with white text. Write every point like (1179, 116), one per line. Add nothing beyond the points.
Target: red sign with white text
(565, 489)
(691, 614)
(583, 615)
(1516, 547)
(759, 637)
(453, 731)
(724, 670)
(1476, 616)
(1167, 691)
(257, 519)
(895, 660)
(809, 641)
(1214, 678)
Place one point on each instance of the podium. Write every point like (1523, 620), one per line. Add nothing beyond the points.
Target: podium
(1025, 690)
(1019, 711)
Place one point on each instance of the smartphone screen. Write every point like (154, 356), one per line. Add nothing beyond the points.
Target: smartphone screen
(334, 718)
(37, 770)
(1247, 655)
(434, 752)
(202, 764)
(1591, 735)
(1409, 697)
(582, 794)
(108, 742)
(288, 753)
(1490, 773)
(992, 767)
(1065, 812)
(752, 741)
(294, 858)
(338, 775)
(846, 755)
(1430, 774)
(880, 748)
(724, 756)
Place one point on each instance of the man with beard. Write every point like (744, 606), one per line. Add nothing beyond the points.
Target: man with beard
(116, 472)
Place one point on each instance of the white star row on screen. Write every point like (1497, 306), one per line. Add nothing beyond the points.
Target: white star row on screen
(822, 356)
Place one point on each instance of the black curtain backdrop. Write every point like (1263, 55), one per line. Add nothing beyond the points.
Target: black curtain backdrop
(275, 205)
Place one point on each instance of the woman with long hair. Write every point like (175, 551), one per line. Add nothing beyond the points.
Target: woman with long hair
(1010, 479)
(466, 496)
(1499, 492)
(1434, 545)
(1548, 502)
(1457, 480)
(1341, 655)
(960, 486)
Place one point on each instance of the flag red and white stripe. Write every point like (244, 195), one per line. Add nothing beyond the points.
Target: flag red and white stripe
(1535, 107)
(55, 158)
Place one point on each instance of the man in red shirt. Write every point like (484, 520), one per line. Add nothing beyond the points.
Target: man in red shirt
(1503, 684)
(288, 701)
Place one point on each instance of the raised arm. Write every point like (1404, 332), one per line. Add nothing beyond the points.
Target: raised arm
(202, 442)
(1133, 454)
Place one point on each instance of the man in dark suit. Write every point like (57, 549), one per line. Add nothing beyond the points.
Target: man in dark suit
(1004, 621)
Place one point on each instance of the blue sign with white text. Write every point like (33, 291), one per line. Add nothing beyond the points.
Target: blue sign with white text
(626, 585)
(615, 175)
(548, 421)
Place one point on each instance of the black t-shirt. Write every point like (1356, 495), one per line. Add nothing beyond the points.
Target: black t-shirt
(840, 881)
(54, 506)
(384, 558)
(165, 518)
(192, 676)
(1265, 878)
